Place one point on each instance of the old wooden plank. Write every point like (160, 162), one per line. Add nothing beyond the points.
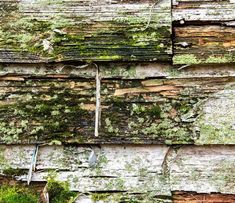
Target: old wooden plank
(204, 169)
(42, 109)
(134, 169)
(203, 11)
(204, 44)
(204, 32)
(183, 197)
(129, 168)
(45, 31)
(171, 110)
(126, 70)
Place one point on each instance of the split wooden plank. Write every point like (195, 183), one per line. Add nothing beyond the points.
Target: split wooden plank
(134, 169)
(170, 111)
(46, 31)
(126, 70)
(204, 44)
(130, 168)
(204, 32)
(204, 169)
(203, 11)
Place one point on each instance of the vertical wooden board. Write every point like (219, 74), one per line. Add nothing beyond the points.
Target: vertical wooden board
(204, 169)
(45, 110)
(85, 30)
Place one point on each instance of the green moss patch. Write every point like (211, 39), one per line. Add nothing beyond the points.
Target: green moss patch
(17, 194)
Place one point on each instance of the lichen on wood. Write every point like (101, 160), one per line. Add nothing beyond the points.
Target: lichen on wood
(85, 31)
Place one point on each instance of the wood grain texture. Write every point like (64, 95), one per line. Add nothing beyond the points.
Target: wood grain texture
(204, 32)
(183, 197)
(204, 169)
(183, 108)
(46, 109)
(203, 11)
(45, 31)
(126, 169)
(204, 44)
(153, 169)
(117, 70)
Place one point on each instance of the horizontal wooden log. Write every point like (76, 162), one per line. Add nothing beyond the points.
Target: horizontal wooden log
(152, 169)
(204, 169)
(182, 197)
(42, 31)
(114, 168)
(127, 70)
(203, 11)
(204, 32)
(204, 44)
(171, 110)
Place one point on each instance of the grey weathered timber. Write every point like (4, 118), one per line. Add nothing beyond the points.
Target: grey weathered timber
(153, 169)
(204, 32)
(192, 105)
(134, 170)
(126, 70)
(89, 30)
(204, 169)
(203, 11)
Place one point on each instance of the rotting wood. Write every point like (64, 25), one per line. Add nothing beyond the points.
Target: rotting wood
(204, 32)
(130, 168)
(111, 70)
(204, 11)
(171, 111)
(41, 31)
(204, 44)
(204, 169)
(46, 109)
(119, 168)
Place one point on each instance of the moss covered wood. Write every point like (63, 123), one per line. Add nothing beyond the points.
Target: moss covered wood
(152, 170)
(116, 168)
(45, 31)
(204, 32)
(46, 109)
(170, 111)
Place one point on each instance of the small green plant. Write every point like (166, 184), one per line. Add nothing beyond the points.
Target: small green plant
(17, 194)
(59, 191)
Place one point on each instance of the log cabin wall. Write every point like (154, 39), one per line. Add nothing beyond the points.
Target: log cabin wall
(125, 100)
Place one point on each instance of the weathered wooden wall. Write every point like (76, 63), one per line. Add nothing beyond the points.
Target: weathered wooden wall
(167, 97)
(204, 31)
(171, 107)
(85, 30)
(153, 171)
